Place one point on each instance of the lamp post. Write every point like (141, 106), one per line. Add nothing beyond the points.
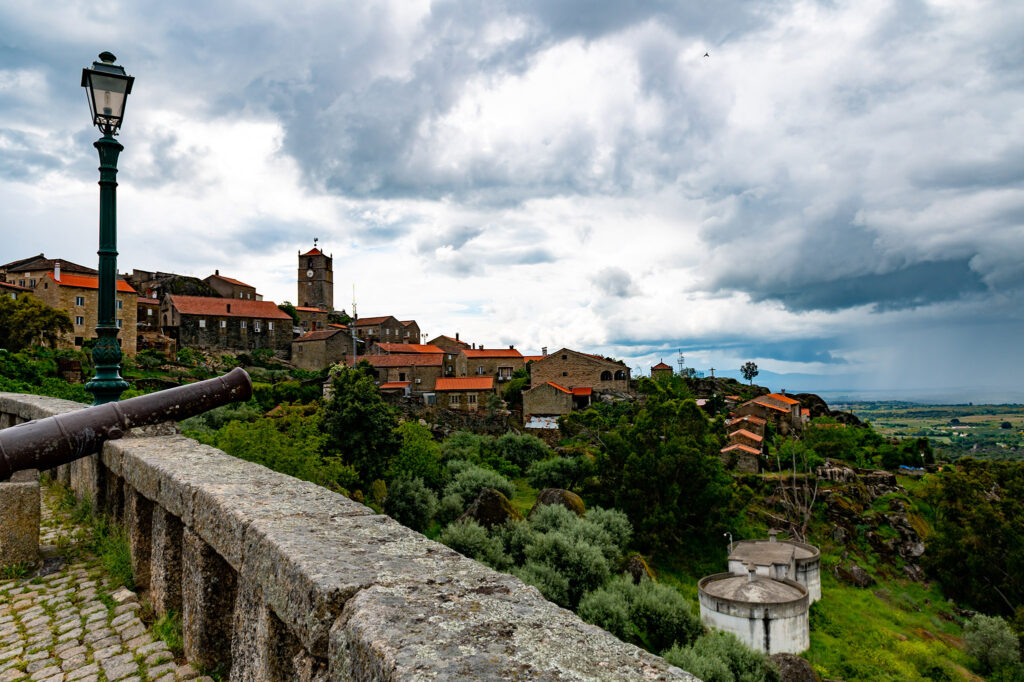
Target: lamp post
(107, 86)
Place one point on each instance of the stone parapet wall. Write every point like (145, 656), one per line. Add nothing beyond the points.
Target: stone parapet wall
(283, 579)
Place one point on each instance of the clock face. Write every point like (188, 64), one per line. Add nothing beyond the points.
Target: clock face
(309, 273)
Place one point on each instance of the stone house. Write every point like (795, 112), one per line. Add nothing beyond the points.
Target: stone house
(13, 290)
(78, 296)
(499, 363)
(749, 422)
(571, 368)
(227, 287)
(421, 370)
(223, 323)
(452, 348)
(742, 458)
(311, 319)
(385, 348)
(386, 328)
(780, 410)
(465, 394)
(546, 400)
(27, 272)
(411, 332)
(148, 314)
(318, 349)
(661, 370)
(748, 438)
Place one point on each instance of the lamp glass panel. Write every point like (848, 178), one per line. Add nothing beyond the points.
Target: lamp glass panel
(108, 95)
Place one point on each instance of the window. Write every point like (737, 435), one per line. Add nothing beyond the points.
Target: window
(256, 325)
(270, 326)
(243, 324)
(223, 324)
(119, 322)
(454, 399)
(79, 340)
(120, 305)
(33, 283)
(401, 376)
(79, 321)
(202, 324)
(606, 376)
(471, 399)
(565, 357)
(149, 312)
(620, 374)
(565, 374)
(79, 300)
(239, 294)
(504, 372)
(480, 369)
(21, 282)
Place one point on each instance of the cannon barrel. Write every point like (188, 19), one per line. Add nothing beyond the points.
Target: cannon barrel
(47, 443)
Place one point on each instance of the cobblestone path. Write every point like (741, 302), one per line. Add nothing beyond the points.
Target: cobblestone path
(76, 623)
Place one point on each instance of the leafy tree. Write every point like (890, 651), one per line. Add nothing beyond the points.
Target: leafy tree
(287, 307)
(663, 470)
(26, 320)
(410, 502)
(749, 371)
(566, 473)
(469, 538)
(647, 613)
(513, 392)
(419, 455)
(977, 545)
(521, 450)
(472, 479)
(359, 425)
(991, 640)
(1006, 425)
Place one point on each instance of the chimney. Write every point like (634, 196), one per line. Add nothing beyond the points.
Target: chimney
(481, 346)
(229, 307)
(456, 336)
(56, 270)
(544, 351)
(772, 533)
(216, 272)
(511, 347)
(751, 572)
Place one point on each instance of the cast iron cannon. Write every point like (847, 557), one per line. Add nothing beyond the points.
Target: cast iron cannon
(47, 443)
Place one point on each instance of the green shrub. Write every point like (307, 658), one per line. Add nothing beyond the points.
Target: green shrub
(560, 472)
(583, 565)
(721, 657)
(150, 359)
(658, 615)
(991, 640)
(608, 608)
(189, 357)
(449, 509)
(410, 502)
(515, 537)
(551, 583)
(468, 483)
(419, 455)
(470, 539)
(521, 450)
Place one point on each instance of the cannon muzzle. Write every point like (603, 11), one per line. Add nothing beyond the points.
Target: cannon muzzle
(47, 443)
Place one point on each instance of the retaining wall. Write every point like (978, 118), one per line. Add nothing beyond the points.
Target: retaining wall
(281, 579)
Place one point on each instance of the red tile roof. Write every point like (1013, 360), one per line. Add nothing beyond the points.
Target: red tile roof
(748, 418)
(207, 305)
(465, 384)
(411, 360)
(318, 335)
(740, 446)
(493, 353)
(394, 384)
(765, 401)
(314, 252)
(805, 411)
(406, 323)
(783, 398)
(8, 285)
(458, 341)
(310, 309)
(144, 300)
(337, 326)
(233, 281)
(41, 262)
(662, 365)
(582, 390)
(532, 358)
(733, 397)
(563, 389)
(367, 321)
(87, 282)
(748, 434)
(409, 348)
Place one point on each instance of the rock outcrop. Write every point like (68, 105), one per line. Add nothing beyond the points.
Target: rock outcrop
(491, 508)
(565, 498)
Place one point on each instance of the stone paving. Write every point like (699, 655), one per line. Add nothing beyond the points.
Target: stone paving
(75, 624)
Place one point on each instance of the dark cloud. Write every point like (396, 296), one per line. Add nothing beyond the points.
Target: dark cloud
(1006, 168)
(613, 281)
(821, 350)
(456, 237)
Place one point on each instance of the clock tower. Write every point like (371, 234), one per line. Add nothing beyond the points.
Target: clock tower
(315, 280)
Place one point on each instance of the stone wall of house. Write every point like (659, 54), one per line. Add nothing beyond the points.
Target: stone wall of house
(571, 369)
(421, 378)
(315, 355)
(64, 298)
(487, 367)
(547, 400)
(232, 336)
(278, 578)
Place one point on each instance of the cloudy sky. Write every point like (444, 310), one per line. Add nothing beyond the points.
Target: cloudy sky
(836, 191)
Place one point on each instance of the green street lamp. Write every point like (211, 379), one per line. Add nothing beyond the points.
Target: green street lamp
(107, 86)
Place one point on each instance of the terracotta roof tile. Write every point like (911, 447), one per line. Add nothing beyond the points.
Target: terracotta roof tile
(143, 300)
(582, 390)
(314, 252)
(87, 282)
(764, 401)
(229, 280)
(493, 353)
(41, 262)
(409, 348)
(532, 358)
(15, 287)
(563, 389)
(465, 384)
(318, 335)
(207, 305)
(369, 321)
(310, 309)
(395, 384)
(748, 434)
(748, 418)
(740, 446)
(337, 326)
(662, 365)
(411, 360)
(783, 398)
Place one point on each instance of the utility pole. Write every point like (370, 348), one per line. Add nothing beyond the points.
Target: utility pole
(355, 318)
(681, 361)
(712, 372)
